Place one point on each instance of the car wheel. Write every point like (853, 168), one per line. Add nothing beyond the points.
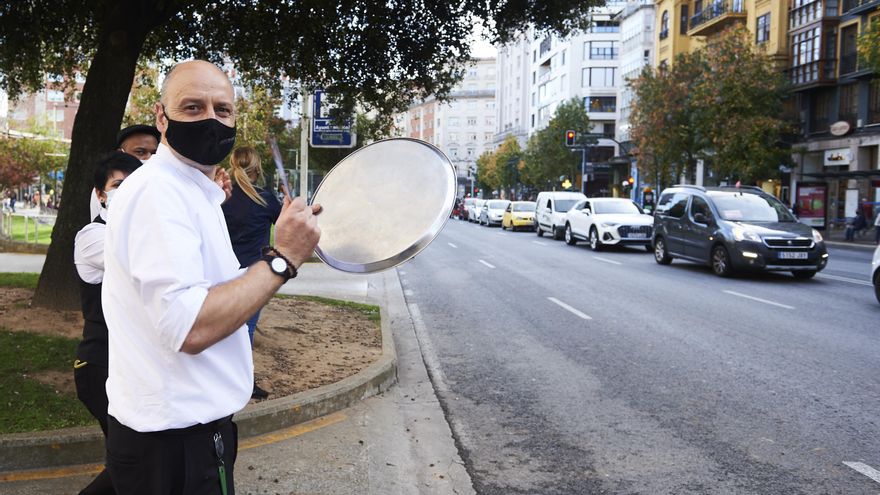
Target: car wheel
(569, 237)
(595, 243)
(539, 231)
(503, 227)
(660, 255)
(721, 262)
(557, 234)
(803, 274)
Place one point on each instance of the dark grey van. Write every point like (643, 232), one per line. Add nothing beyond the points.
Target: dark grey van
(734, 228)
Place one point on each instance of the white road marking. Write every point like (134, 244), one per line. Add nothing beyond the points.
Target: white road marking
(407, 292)
(758, 299)
(540, 243)
(845, 279)
(606, 260)
(865, 469)
(428, 354)
(569, 308)
(487, 264)
(452, 245)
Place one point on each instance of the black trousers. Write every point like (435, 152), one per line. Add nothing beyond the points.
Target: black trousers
(90, 389)
(171, 462)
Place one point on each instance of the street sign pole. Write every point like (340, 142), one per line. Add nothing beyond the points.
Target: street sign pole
(304, 127)
(584, 170)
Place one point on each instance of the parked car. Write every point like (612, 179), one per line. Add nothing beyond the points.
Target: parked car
(456, 208)
(608, 221)
(875, 273)
(550, 211)
(465, 208)
(734, 228)
(475, 209)
(493, 211)
(519, 214)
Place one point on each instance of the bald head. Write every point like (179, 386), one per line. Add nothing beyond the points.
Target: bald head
(195, 91)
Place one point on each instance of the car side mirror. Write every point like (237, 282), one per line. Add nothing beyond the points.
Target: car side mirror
(585, 211)
(700, 218)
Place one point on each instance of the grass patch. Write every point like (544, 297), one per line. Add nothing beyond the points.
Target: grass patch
(370, 311)
(22, 280)
(19, 233)
(29, 405)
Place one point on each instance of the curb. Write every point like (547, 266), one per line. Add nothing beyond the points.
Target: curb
(85, 445)
(846, 244)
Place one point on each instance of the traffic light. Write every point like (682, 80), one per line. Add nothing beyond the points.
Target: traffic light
(630, 181)
(569, 138)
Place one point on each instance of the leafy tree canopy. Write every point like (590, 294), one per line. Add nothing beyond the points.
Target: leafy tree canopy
(546, 156)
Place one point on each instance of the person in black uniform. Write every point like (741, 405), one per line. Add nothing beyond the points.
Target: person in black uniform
(90, 367)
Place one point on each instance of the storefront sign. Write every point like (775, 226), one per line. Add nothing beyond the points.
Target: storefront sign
(840, 156)
(810, 205)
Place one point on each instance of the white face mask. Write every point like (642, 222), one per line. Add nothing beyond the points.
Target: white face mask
(109, 194)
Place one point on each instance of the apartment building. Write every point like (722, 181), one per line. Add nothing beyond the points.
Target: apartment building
(465, 126)
(838, 103)
(51, 107)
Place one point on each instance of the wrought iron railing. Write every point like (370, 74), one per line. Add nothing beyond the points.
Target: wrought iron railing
(717, 9)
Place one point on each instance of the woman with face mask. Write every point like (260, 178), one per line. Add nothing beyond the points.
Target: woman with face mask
(90, 366)
(250, 213)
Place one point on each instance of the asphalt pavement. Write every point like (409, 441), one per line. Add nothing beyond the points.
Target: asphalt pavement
(566, 371)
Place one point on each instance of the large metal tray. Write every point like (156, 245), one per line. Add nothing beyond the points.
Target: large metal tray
(383, 204)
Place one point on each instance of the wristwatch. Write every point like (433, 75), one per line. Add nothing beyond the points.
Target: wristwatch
(279, 265)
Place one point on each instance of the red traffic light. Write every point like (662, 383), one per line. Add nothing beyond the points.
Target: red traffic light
(631, 181)
(569, 138)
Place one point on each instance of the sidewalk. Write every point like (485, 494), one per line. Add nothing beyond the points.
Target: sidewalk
(397, 442)
(836, 238)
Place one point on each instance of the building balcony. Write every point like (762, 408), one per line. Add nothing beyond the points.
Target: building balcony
(717, 16)
(811, 74)
(858, 6)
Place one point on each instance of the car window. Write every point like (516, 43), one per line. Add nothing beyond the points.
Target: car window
(550, 204)
(579, 205)
(524, 206)
(565, 204)
(672, 205)
(507, 210)
(624, 206)
(746, 207)
(699, 205)
(497, 205)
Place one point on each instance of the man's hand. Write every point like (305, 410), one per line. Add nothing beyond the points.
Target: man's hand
(296, 231)
(221, 178)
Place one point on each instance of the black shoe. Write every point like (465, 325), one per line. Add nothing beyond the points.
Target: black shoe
(259, 393)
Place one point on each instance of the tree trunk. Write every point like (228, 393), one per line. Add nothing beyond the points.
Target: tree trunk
(102, 106)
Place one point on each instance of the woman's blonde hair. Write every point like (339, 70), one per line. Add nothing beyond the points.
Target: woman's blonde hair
(244, 162)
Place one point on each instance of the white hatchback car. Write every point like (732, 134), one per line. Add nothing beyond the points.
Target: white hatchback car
(493, 212)
(608, 221)
(475, 209)
(875, 272)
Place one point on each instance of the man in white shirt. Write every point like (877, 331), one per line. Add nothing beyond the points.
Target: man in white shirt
(176, 302)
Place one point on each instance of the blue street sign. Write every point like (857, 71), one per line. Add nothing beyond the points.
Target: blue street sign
(325, 132)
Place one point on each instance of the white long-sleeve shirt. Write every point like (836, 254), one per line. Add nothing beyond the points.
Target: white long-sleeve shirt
(88, 251)
(166, 244)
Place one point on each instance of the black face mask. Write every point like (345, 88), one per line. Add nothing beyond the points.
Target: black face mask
(206, 142)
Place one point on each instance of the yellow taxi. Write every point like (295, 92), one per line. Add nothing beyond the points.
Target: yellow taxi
(519, 214)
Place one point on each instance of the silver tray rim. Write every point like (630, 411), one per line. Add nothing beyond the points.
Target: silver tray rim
(413, 249)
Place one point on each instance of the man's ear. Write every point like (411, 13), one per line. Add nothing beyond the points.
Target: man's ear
(161, 118)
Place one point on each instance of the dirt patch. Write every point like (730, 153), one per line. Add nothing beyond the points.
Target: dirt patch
(300, 344)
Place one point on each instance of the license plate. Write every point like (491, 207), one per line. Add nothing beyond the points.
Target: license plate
(638, 235)
(792, 256)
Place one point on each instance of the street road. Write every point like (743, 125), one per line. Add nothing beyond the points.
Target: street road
(561, 370)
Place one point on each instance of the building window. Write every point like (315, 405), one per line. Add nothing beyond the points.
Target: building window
(472, 136)
(472, 73)
(599, 77)
(604, 27)
(874, 101)
(849, 103)
(55, 96)
(848, 52)
(470, 152)
(601, 104)
(664, 25)
(683, 22)
(762, 31)
(820, 108)
(453, 152)
(471, 121)
(608, 129)
(603, 50)
(563, 57)
(453, 121)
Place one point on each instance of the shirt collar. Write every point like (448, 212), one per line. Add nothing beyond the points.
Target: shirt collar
(210, 188)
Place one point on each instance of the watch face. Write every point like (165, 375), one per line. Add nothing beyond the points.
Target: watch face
(279, 265)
